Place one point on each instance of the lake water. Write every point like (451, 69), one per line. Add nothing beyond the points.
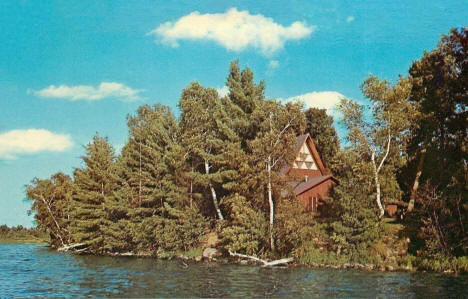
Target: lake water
(37, 271)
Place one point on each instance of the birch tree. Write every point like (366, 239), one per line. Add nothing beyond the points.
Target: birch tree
(379, 134)
(52, 204)
(209, 140)
(274, 147)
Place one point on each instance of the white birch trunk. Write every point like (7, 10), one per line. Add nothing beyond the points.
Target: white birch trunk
(213, 193)
(376, 176)
(270, 201)
(377, 187)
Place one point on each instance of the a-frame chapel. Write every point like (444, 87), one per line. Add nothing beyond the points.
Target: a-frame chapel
(311, 181)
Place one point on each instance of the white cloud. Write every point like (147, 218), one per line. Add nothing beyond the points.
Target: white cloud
(90, 93)
(273, 64)
(223, 91)
(32, 141)
(235, 30)
(320, 99)
(349, 19)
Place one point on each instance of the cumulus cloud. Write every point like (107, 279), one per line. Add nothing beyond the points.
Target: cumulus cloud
(32, 141)
(223, 91)
(273, 64)
(235, 30)
(90, 93)
(320, 99)
(349, 19)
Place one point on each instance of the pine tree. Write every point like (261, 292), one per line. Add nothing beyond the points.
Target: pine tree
(246, 96)
(320, 127)
(148, 171)
(94, 184)
(210, 141)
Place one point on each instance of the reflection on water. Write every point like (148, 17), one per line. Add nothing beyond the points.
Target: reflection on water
(35, 270)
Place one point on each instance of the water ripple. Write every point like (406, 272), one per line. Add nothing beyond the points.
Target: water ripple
(36, 271)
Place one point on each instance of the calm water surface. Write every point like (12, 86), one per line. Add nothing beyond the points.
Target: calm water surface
(37, 271)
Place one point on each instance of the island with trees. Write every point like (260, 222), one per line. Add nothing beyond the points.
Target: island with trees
(212, 177)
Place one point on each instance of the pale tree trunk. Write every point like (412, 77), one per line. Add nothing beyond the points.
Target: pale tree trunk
(213, 193)
(59, 229)
(414, 190)
(139, 175)
(270, 201)
(376, 177)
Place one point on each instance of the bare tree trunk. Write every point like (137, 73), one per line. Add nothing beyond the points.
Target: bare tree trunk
(213, 193)
(139, 174)
(58, 234)
(376, 176)
(270, 201)
(265, 263)
(191, 189)
(414, 190)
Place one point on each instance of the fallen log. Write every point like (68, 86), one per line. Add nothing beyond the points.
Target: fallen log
(71, 246)
(264, 262)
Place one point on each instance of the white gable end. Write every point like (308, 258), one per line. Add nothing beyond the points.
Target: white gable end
(304, 159)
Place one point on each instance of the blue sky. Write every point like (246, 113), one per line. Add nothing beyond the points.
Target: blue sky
(69, 69)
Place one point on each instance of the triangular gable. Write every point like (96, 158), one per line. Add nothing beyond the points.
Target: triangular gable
(304, 159)
(301, 141)
(309, 143)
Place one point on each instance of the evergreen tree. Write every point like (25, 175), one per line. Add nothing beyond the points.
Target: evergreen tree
(149, 168)
(320, 127)
(210, 141)
(247, 229)
(246, 96)
(94, 185)
(273, 148)
(356, 226)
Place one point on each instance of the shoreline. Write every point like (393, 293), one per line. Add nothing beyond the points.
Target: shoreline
(225, 260)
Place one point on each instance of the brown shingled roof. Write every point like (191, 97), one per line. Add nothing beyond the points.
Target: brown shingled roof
(311, 183)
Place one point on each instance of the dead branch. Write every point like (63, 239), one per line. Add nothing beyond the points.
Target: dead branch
(264, 262)
(71, 246)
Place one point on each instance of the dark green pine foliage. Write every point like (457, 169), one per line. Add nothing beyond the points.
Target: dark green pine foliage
(246, 230)
(245, 96)
(320, 127)
(357, 225)
(211, 143)
(150, 182)
(94, 184)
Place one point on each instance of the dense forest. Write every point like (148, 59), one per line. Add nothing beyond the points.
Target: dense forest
(216, 168)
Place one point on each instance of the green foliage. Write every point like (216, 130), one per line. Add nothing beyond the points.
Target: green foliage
(440, 222)
(297, 230)
(20, 234)
(53, 206)
(445, 264)
(94, 184)
(320, 127)
(222, 161)
(210, 141)
(357, 223)
(246, 230)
